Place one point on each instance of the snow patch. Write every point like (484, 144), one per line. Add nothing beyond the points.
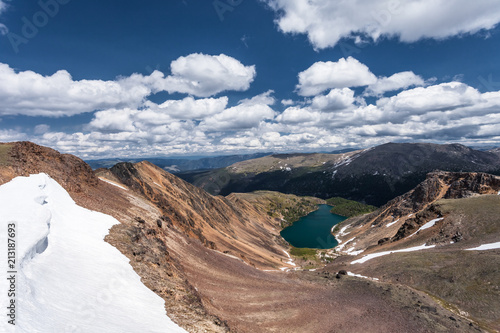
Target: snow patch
(362, 276)
(345, 160)
(342, 231)
(428, 225)
(354, 253)
(114, 184)
(289, 262)
(380, 254)
(491, 246)
(392, 223)
(341, 247)
(350, 251)
(69, 279)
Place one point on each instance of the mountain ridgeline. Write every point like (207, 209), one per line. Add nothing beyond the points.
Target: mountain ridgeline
(180, 164)
(373, 176)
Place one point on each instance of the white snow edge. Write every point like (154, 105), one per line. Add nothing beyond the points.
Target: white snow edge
(392, 223)
(491, 246)
(362, 276)
(68, 278)
(428, 225)
(113, 183)
(380, 254)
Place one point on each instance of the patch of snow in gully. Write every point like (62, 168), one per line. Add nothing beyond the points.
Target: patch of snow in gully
(428, 225)
(114, 184)
(380, 254)
(392, 223)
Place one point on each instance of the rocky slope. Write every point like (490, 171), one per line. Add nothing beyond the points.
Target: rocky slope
(373, 176)
(495, 151)
(175, 236)
(230, 225)
(445, 215)
(25, 158)
(404, 215)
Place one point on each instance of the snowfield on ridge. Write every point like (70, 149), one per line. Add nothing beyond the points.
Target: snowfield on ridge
(68, 278)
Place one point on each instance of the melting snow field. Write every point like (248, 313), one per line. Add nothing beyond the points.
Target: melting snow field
(114, 184)
(491, 246)
(68, 278)
(289, 262)
(428, 225)
(392, 223)
(362, 276)
(380, 254)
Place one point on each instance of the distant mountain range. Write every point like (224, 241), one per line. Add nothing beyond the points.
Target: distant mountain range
(372, 176)
(175, 165)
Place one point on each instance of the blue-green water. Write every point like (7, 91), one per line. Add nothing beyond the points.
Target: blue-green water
(314, 230)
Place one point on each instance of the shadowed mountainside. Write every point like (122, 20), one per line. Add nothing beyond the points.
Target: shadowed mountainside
(373, 176)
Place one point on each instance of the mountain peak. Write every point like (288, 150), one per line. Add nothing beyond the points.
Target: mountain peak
(24, 158)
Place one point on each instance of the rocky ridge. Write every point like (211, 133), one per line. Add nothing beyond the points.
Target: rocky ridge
(405, 214)
(445, 215)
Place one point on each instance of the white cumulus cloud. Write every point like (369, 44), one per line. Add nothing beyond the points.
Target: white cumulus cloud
(334, 117)
(206, 75)
(32, 94)
(154, 115)
(248, 113)
(326, 22)
(190, 108)
(336, 99)
(298, 115)
(394, 82)
(441, 97)
(344, 73)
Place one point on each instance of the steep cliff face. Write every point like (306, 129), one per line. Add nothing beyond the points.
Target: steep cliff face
(441, 186)
(405, 214)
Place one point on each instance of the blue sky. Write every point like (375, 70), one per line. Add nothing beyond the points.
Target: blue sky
(159, 78)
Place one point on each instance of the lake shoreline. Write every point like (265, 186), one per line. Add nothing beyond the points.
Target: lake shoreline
(314, 230)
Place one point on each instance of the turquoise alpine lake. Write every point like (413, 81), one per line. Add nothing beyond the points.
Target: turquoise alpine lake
(314, 230)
